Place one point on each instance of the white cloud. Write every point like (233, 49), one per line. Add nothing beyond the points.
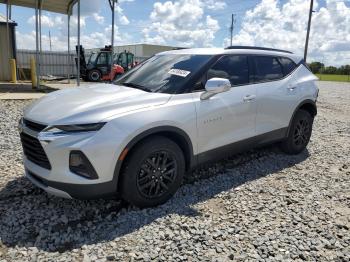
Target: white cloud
(59, 43)
(123, 20)
(272, 24)
(47, 21)
(99, 37)
(98, 18)
(73, 26)
(215, 4)
(182, 23)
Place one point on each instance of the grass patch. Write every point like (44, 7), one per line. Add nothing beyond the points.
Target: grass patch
(334, 78)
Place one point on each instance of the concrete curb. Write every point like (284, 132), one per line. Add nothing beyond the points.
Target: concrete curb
(20, 96)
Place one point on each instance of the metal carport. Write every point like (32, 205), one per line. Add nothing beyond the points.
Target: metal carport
(56, 6)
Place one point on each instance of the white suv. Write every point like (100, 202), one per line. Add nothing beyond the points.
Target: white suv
(139, 136)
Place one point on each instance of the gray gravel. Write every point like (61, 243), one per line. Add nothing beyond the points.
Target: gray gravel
(258, 206)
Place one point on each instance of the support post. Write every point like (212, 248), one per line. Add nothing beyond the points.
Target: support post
(112, 39)
(37, 44)
(33, 72)
(50, 40)
(13, 70)
(68, 62)
(308, 30)
(8, 31)
(40, 42)
(8, 44)
(78, 62)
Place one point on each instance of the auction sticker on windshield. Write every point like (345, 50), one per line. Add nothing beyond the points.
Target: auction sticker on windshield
(179, 72)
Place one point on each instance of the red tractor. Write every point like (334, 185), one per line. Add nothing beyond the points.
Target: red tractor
(97, 67)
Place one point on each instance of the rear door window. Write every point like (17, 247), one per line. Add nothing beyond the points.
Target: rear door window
(267, 68)
(287, 64)
(234, 68)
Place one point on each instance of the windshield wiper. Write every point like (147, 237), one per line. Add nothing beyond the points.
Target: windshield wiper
(143, 88)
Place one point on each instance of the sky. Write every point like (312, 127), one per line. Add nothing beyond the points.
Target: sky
(199, 23)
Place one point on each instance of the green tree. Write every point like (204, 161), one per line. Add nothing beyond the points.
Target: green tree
(316, 67)
(344, 70)
(332, 70)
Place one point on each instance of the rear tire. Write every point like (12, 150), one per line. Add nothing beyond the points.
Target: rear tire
(299, 133)
(94, 75)
(153, 172)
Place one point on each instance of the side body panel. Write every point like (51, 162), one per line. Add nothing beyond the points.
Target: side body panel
(226, 117)
(277, 100)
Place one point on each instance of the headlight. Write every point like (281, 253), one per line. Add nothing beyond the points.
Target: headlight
(75, 128)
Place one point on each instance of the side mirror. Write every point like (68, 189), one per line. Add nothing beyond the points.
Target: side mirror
(215, 86)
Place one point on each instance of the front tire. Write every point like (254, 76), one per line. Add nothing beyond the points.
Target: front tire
(153, 172)
(299, 133)
(94, 75)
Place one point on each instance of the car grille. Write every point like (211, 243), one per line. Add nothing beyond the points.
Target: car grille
(34, 126)
(34, 151)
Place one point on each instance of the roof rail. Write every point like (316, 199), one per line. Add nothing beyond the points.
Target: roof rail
(258, 48)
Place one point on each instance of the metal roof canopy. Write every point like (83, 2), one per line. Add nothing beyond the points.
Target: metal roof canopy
(56, 6)
(3, 20)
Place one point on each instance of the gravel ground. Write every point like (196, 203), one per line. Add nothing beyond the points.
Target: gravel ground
(258, 206)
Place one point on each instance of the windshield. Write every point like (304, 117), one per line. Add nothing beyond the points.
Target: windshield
(92, 57)
(164, 73)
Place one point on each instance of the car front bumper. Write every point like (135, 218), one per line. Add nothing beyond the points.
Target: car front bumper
(100, 148)
(76, 191)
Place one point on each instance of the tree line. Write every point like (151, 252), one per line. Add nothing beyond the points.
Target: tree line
(320, 68)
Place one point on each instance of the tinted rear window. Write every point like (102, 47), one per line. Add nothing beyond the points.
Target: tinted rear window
(288, 65)
(267, 68)
(233, 68)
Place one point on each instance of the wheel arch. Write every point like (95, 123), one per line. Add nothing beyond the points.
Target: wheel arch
(307, 105)
(180, 137)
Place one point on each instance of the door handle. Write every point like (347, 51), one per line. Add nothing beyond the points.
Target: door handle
(249, 98)
(291, 88)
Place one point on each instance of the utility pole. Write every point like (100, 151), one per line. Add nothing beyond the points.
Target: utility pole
(50, 40)
(308, 30)
(233, 21)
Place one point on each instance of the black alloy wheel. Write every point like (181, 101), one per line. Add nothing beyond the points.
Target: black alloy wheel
(152, 172)
(299, 133)
(157, 173)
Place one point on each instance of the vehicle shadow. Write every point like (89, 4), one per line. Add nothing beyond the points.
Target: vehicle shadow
(31, 218)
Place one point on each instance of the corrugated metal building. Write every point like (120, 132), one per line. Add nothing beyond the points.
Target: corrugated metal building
(140, 50)
(7, 47)
(60, 63)
(52, 62)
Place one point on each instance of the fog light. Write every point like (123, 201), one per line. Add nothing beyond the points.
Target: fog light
(80, 165)
(76, 160)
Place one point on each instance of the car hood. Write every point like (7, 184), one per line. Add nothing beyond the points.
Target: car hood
(90, 104)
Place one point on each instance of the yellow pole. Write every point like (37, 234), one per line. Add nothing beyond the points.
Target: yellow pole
(13, 70)
(33, 72)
